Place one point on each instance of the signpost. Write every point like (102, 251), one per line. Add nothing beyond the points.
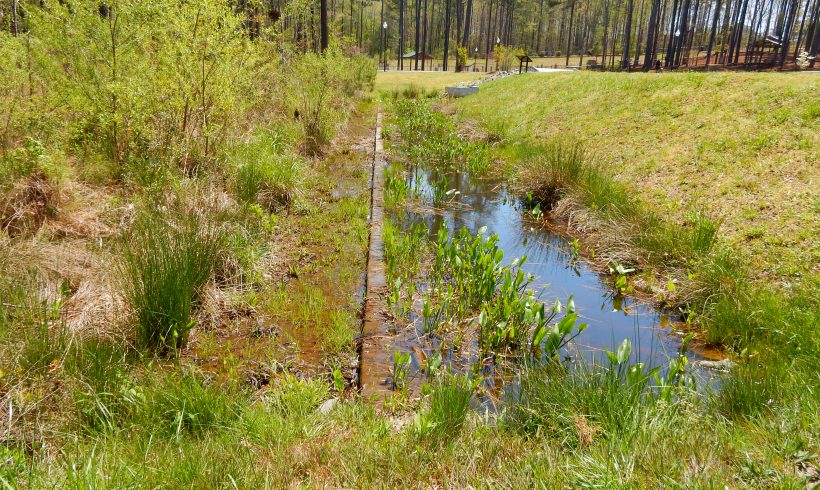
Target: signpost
(522, 61)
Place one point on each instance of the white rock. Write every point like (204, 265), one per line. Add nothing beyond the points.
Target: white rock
(328, 405)
(724, 365)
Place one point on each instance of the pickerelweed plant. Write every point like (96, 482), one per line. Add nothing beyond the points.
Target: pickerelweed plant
(403, 255)
(470, 286)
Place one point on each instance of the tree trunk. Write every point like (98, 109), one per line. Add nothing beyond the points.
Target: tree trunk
(640, 35)
(323, 24)
(627, 34)
(467, 22)
(671, 39)
(424, 38)
(538, 30)
(447, 23)
(400, 60)
(651, 33)
(715, 20)
(569, 31)
(418, 25)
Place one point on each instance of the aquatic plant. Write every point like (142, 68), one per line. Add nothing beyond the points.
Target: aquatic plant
(440, 191)
(401, 370)
(396, 190)
(431, 138)
(468, 277)
(403, 253)
(620, 282)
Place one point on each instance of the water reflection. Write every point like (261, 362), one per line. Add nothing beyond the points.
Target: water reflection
(550, 259)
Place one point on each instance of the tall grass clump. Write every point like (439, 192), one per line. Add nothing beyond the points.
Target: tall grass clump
(554, 168)
(576, 404)
(450, 398)
(267, 174)
(704, 232)
(166, 261)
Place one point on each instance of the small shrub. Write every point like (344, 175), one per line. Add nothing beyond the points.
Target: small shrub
(165, 263)
(316, 86)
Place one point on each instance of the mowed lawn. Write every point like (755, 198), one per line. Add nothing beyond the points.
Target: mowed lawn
(742, 147)
(423, 80)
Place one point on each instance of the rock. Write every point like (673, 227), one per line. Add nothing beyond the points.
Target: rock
(810, 473)
(264, 331)
(724, 365)
(328, 405)
(460, 91)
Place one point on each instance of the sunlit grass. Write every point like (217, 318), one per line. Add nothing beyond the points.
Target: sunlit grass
(428, 80)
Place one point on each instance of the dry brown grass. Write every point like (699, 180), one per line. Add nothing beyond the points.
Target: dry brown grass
(27, 204)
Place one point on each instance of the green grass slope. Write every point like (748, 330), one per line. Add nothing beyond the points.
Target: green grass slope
(743, 147)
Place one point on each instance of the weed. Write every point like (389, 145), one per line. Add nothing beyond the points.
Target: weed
(401, 370)
(340, 332)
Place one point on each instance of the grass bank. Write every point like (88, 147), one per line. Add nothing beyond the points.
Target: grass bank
(704, 181)
(422, 80)
(742, 147)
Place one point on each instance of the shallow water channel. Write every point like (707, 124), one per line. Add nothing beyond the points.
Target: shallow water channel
(476, 203)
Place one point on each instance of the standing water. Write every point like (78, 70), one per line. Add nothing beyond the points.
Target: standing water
(558, 274)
